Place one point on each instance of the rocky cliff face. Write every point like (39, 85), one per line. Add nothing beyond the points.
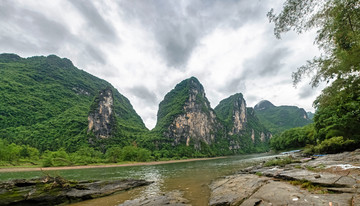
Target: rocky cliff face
(101, 118)
(232, 111)
(195, 122)
(243, 128)
(258, 129)
(239, 115)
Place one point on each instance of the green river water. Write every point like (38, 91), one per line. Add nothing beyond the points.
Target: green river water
(192, 178)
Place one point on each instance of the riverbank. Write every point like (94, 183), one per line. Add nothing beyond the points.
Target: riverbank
(328, 180)
(26, 169)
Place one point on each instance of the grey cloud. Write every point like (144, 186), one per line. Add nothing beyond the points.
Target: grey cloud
(251, 99)
(236, 85)
(8, 44)
(178, 26)
(48, 35)
(306, 92)
(26, 31)
(143, 93)
(95, 20)
(95, 54)
(267, 63)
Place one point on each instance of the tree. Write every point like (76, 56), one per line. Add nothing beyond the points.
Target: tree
(338, 26)
(338, 36)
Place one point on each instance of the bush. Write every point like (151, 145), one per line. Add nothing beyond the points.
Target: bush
(279, 162)
(335, 145)
(293, 138)
(114, 154)
(56, 158)
(128, 153)
(86, 155)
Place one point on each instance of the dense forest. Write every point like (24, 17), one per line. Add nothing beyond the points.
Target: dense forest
(44, 108)
(280, 118)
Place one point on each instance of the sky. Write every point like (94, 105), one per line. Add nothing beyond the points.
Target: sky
(145, 47)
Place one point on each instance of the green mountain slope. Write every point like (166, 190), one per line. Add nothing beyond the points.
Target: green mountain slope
(186, 124)
(245, 132)
(280, 118)
(46, 101)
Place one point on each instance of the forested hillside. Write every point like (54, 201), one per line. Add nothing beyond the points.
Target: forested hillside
(280, 118)
(46, 101)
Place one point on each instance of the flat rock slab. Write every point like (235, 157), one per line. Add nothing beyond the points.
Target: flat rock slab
(54, 191)
(174, 198)
(321, 178)
(286, 194)
(250, 190)
(233, 190)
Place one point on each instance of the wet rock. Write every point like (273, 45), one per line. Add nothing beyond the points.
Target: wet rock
(54, 191)
(174, 198)
(233, 190)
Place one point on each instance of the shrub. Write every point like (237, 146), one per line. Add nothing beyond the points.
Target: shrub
(335, 145)
(279, 162)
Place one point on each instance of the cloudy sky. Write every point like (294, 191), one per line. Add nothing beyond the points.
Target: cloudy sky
(145, 47)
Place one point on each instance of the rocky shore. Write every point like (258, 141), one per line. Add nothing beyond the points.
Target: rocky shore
(328, 180)
(56, 190)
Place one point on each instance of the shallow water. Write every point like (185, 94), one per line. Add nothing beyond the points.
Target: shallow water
(192, 178)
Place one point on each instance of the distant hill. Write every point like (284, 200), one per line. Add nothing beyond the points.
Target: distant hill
(310, 115)
(48, 103)
(280, 118)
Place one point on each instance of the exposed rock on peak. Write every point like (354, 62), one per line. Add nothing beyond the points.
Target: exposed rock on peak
(244, 129)
(233, 111)
(185, 115)
(264, 104)
(101, 117)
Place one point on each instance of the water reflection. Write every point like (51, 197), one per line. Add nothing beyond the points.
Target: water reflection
(152, 174)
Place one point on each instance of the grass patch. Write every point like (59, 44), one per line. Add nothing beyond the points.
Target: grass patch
(259, 174)
(279, 162)
(310, 168)
(309, 186)
(316, 169)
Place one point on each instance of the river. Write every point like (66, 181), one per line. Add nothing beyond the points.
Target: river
(192, 178)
